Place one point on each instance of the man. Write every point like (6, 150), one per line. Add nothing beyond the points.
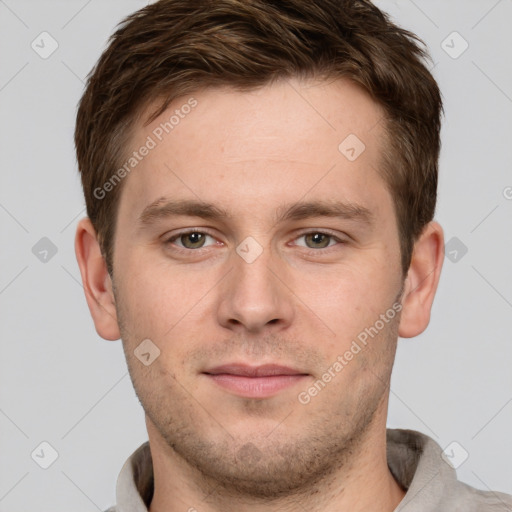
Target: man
(260, 180)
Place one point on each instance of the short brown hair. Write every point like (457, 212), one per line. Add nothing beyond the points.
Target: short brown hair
(176, 47)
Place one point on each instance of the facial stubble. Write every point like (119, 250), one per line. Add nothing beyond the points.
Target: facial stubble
(309, 445)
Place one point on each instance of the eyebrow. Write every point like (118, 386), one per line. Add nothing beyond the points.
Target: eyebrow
(164, 208)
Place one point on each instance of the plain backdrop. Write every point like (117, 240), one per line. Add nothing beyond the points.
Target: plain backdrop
(63, 385)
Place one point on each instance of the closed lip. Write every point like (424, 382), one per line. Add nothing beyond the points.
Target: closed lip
(254, 381)
(245, 370)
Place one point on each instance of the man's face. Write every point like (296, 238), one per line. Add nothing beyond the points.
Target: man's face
(258, 287)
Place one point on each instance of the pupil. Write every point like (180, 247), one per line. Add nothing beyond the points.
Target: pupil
(319, 239)
(194, 239)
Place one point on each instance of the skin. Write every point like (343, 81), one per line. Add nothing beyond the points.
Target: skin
(300, 303)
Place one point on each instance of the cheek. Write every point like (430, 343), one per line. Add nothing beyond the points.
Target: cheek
(161, 301)
(351, 305)
(349, 298)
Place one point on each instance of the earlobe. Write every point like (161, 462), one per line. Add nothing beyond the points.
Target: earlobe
(96, 281)
(421, 281)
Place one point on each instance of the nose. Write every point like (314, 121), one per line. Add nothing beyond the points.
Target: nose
(254, 297)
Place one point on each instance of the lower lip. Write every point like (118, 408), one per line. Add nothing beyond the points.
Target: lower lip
(255, 387)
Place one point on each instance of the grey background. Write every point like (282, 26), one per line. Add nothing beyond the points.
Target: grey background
(61, 383)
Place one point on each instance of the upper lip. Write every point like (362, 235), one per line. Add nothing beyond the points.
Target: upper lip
(266, 370)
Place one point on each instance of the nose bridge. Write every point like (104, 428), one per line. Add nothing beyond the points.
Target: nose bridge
(253, 297)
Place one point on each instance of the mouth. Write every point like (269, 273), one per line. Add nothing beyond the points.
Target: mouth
(255, 381)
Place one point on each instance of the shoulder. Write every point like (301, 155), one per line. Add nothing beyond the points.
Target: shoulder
(469, 499)
(417, 463)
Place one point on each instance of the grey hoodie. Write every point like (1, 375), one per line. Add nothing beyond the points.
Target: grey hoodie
(415, 460)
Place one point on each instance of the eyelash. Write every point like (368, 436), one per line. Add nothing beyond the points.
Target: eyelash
(322, 250)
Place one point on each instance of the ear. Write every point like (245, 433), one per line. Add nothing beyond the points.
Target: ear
(421, 281)
(96, 281)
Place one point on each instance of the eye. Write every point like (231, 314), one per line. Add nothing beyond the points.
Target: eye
(195, 239)
(190, 239)
(317, 240)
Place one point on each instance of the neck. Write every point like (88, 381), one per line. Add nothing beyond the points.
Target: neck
(363, 483)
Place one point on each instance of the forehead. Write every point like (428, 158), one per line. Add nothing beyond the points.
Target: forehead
(282, 141)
